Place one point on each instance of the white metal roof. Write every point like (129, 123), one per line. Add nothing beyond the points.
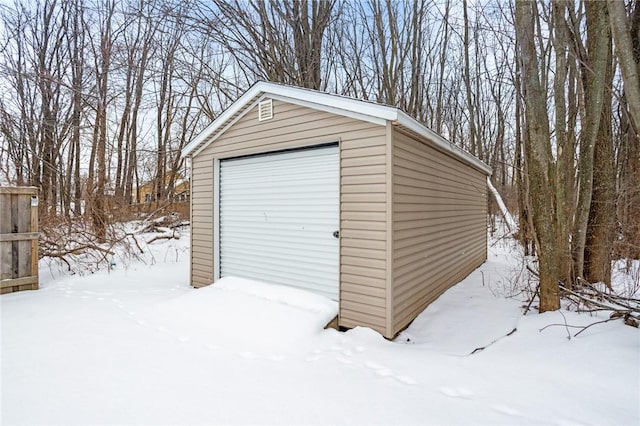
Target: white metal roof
(336, 104)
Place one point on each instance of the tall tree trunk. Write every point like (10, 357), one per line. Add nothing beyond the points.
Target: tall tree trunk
(77, 48)
(539, 159)
(99, 214)
(622, 28)
(594, 72)
(626, 35)
(565, 164)
(467, 83)
(629, 187)
(442, 63)
(602, 219)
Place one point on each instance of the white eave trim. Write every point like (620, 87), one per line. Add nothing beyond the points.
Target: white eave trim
(219, 120)
(199, 148)
(341, 105)
(331, 109)
(336, 104)
(412, 124)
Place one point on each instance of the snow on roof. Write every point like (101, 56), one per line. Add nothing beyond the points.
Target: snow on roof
(336, 104)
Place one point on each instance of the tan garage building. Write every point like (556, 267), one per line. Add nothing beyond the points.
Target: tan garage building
(343, 197)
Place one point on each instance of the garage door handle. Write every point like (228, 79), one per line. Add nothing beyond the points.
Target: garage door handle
(336, 234)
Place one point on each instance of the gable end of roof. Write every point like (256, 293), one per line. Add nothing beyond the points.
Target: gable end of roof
(336, 104)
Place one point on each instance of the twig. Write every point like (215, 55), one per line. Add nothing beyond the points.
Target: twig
(135, 240)
(560, 325)
(566, 326)
(594, 323)
(533, 297)
(476, 350)
(599, 304)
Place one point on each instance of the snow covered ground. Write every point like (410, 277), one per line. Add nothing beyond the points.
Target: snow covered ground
(137, 345)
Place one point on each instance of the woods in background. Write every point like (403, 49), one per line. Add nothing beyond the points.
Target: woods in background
(580, 137)
(98, 97)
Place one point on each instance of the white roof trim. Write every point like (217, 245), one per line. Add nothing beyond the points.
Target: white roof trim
(202, 146)
(327, 108)
(341, 105)
(226, 114)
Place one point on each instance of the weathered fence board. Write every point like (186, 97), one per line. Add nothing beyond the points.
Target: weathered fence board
(18, 239)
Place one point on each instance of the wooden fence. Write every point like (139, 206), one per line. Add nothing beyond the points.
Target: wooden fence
(18, 239)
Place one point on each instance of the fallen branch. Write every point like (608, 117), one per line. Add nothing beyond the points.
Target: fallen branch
(60, 252)
(175, 235)
(508, 218)
(612, 305)
(595, 323)
(135, 240)
(614, 316)
(476, 350)
(608, 301)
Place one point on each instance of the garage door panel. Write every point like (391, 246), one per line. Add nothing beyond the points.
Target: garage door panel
(295, 280)
(280, 248)
(278, 213)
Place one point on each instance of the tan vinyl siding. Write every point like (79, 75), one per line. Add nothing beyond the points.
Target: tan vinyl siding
(439, 225)
(201, 221)
(363, 210)
(363, 233)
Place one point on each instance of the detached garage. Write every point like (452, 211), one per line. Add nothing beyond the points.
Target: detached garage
(346, 198)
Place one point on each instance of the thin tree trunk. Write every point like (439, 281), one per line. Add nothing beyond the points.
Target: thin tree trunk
(629, 66)
(443, 58)
(467, 82)
(594, 71)
(602, 220)
(564, 165)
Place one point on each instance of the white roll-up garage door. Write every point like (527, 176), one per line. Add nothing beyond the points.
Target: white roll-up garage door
(278, 216)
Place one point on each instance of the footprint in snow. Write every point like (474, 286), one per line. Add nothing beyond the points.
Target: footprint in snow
(457, 392)
(373, 365)
(344, 360)
(384, 372)
(406, 380)
(504, 409)
(183, 339)
(380, 370)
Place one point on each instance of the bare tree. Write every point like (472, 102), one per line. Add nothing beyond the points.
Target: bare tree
(97, 179)
(565, 142)
(625, 30)
(280, 41)
(539, 158)
(595, 60)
